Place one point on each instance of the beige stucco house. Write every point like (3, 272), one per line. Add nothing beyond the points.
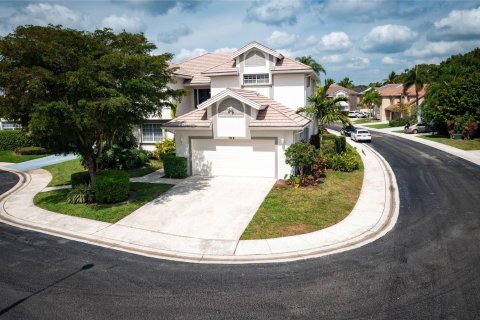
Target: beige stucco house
(335, 91)
(396, 103)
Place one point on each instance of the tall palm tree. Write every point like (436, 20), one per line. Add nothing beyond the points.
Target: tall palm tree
(414, 78)
(392, 77)
(346, 83)
(371, 99)
(323, 109)
(309, 61)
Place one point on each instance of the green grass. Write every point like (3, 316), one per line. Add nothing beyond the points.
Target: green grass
(152, 166)
(287, 211)
(378, 125)
(61, 172)
(398, 131)
(362, 121)
(10, 156)
(56, 201)
(460, 144)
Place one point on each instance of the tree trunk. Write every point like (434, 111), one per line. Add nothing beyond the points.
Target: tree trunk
(419, 114)
(92, 165)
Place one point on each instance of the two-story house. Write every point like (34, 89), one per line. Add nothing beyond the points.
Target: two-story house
(239, 114)
(396, 103)
(335, 91)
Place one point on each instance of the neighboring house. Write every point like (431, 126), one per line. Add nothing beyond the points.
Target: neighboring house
(335, 91)
(395, 103)
(244, 123)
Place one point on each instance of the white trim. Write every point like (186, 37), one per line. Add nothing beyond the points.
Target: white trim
(228, 93)
(258, 46)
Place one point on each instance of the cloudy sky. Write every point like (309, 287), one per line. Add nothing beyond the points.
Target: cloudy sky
(361, 39)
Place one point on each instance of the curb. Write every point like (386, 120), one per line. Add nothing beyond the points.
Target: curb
(385, 223)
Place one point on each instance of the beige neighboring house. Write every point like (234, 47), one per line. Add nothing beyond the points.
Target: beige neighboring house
(239, 114)
(396, 104)
(335, 91)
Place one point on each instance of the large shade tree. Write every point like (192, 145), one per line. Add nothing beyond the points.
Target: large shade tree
(78, 91)
(323, 109)
(416, 79)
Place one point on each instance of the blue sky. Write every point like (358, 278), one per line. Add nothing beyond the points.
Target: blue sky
(361, 39)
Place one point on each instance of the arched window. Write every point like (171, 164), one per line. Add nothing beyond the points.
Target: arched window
(255, 59)
(230, 108)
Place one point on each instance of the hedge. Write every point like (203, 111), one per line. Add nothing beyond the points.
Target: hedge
(111, 186)
(79, 178)
(12, 139)
(175, 167)
(30, 151)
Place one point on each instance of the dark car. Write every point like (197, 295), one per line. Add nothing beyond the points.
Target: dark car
(347, 130)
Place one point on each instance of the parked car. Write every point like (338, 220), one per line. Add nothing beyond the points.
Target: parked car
(347, 130)
(352, 114)
(418, 128)
(361, 135)
(361, 115)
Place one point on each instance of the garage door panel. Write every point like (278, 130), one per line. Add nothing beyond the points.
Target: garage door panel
(254, 158)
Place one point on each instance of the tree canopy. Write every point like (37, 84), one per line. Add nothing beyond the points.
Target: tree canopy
(309, 61)
(76, 91)
(346, 83)
(371, 99)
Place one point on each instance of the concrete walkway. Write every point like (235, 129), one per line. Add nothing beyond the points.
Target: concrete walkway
(470, 155)
(374, 215)
(40, 162)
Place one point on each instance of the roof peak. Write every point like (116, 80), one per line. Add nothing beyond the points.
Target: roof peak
(257, 45)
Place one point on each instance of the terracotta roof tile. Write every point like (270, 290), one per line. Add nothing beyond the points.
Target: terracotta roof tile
(335, 87)
(193, 119)
(196, 66)
(290, 64)
(396, 89)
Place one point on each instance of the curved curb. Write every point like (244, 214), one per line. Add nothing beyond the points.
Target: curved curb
(384, 224)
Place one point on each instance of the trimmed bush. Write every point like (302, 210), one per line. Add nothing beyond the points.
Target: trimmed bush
(118, 158)
(81, 194)
(26, 151)
(340, 144)
(80, 178)
(400, 122)
(12, 139)
(348, 161)
(175, 167)
(111, 186)
(166, 146)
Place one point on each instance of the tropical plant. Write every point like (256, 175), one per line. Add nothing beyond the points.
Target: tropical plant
(82, 193)
(301, 155)
(163, 147)
(416, 79)
(324, 109)
(309, 61)
(346, 83)
(375, 84)
(392, 77)
(371, 99)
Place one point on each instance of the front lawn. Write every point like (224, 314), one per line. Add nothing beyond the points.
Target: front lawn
(377, 125)
(287, 211)
(362, 121)
(61, 172)
(460, 144)
(56, 201)
(10, 156)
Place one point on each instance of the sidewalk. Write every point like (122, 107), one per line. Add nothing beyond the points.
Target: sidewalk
(470, 155)
(40, 162)
(373, 216)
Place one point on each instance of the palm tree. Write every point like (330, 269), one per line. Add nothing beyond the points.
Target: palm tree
(371, 99)
(392, 77)
(309, 61)
(414, 78)
(346, 83)
(324, 109)
(375, 84)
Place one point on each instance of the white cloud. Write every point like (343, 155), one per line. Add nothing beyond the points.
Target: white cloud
(186, 54)
(441, 48)
(45, 13)
(334, 58)
(281, 39)
(172, 36)
(358, 63)
(387, 60)
(124, 22)
(225, 50)
(389, 38)
(275, 12)
(358, 10)
(458, 25)
(336, 41)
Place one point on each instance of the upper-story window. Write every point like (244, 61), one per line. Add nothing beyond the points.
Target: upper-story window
(256, 78)
(255, 59)
(200, 95)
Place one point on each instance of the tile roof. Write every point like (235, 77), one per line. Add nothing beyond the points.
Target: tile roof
(273, 114)
(396, 89)
(335, 87)
(194, 67)
(226, 67)
(290, 64)
(257, 45)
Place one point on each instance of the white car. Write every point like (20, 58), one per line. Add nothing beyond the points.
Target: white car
(352, 114)
(361, 135)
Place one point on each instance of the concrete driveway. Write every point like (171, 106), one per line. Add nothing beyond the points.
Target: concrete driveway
(217, 208)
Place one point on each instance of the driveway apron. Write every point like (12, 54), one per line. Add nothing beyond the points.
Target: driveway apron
(217, 208)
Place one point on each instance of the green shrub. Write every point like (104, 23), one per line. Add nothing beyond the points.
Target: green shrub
(400, 122)
(166, 146)
(81, 194)
(329, 136)
(79, 178)
(175, 167)
(111, 186)
(301, 155)
(340, 144)
(26, 151)
(348, 161)
(118, 158)
(12, 139)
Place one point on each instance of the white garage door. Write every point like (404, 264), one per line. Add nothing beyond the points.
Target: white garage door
(245, 158)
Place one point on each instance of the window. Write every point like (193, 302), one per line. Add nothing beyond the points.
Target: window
(151, 132)
(256, 78)
(307, 79)
(255, 59)
(200, 95)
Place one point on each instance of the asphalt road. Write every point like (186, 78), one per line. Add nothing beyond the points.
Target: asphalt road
(427, 267)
